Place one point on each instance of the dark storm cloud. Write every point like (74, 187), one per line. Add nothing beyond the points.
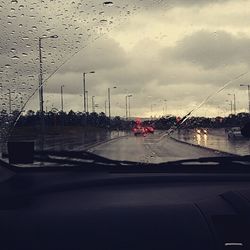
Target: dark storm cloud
(104, 54)
(211, 49)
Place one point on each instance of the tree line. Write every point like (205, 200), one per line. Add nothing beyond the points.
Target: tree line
(100, 120)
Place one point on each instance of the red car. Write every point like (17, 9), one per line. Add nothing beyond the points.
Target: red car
(139, 131)
(150, 129)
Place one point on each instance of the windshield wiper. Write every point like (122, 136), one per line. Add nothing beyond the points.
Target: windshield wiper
(87, 161)
(78, 158)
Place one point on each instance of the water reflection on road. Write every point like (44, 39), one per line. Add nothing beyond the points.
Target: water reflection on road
(65, 139)
(215, 139)
(79, 141)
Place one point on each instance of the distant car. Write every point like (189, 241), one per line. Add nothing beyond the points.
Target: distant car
(201, 131)
(150, 129)
(234, 133)
(139, 131)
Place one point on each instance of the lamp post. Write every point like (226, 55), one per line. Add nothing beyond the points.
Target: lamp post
(231, 105)
(41, 71)
(128, 106)
(248, 90)
(62, 97)
(84, 89)
(41, 102)
(234, 102)
(93, 103)
(109, 101)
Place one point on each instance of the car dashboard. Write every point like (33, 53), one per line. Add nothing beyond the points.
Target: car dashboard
(72, 209)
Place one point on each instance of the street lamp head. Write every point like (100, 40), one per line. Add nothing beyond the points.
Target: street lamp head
(130, 95)
(115, 87)
(92, 72)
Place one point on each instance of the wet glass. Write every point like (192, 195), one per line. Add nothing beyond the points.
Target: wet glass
(77, 73)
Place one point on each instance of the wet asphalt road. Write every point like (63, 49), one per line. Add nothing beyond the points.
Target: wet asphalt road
(216, 139)
(152, 148)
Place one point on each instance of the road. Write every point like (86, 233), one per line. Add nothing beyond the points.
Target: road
(150, 149)
(216, 139)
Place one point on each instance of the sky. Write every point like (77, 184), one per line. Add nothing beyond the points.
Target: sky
(169, 55)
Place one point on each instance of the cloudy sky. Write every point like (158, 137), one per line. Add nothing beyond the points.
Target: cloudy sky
(170, 55)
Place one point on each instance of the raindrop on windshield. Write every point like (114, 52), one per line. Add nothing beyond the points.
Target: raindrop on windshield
(108, 3)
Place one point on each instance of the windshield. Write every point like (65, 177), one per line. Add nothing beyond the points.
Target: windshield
(143, 81)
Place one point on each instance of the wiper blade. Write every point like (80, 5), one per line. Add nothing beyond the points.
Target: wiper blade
(81, 158)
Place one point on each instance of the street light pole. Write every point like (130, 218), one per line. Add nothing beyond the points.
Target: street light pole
(40, 86)
(248, 90)
(128, 106)
(40, 76)
(109, 102)
(41, 70)
(231, 105)
(84, 90)
(93, 104)
(62, 97)
(234, 102)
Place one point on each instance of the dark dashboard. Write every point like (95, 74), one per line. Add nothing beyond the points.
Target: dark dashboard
(67, 209)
